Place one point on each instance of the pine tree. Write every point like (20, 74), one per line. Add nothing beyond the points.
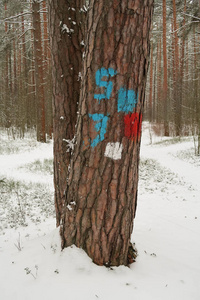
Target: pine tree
(101, 193)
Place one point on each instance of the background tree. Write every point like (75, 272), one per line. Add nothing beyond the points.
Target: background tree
(182, 20)
(39, 71)
(165, 84)
(19, 63)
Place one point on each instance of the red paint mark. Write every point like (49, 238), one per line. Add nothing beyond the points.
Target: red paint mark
(133, 123)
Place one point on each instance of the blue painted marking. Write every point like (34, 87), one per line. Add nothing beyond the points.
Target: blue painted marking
(127, 100)
(101, 125)
(107, 84)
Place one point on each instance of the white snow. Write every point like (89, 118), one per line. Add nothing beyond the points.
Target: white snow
(10, 164)
(166, 233)
(82, 43)
(66, 29)
(70, 143)
(79, 76)
(114, 150)
(70, 206)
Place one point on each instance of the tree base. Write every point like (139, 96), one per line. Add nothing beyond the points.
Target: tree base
(132, 254)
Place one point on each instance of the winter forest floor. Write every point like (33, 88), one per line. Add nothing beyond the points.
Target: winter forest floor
(166, 230)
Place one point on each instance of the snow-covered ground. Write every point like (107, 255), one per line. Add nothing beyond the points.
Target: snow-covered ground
(166, 230)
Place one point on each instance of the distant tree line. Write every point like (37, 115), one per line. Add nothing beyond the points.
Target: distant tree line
(25, 68)
(173, 90)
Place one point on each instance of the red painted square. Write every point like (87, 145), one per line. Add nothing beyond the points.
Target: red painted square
(132, 124)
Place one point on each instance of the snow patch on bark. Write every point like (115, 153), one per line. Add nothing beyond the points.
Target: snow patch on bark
(70, 144)
(114, 150)
(70, 206)
(65, 29)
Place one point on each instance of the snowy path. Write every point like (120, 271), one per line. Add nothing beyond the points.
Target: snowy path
(167, 224)
(11, 165)
(164, 155)
(166, 233)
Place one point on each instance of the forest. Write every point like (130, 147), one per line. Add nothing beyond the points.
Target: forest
(100, 149)
(172, 92)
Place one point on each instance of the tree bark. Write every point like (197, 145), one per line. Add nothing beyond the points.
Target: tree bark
(101, 193)
(66, 21)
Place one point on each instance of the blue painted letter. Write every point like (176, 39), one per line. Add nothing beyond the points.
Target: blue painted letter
(107, 84)
(101, 125)
(127, 100)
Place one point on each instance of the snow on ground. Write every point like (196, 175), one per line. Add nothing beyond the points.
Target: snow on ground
(166, 230)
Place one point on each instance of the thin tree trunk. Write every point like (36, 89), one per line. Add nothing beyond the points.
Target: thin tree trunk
(39, 74)
(14, 65)
(101, 193)
(183, 45)
(195, 88)
(45, 36)
(178, 108)
(159, 84)
(165, 84)
(182, 61)
(24, 47)
(174, 93)
(7, 76)
(198, 96)
(26, 100)
(154, 91)
(176, 45)
(7, 57)
(151, 87)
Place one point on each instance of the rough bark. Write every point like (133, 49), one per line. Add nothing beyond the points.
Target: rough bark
(102, 186)
(66, 20)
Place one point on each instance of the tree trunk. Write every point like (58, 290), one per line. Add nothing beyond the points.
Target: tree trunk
(39, 74)
(178, 107)
(66, 38)
(45, 33)
(102, 186)
(151, 86)
(165, 85)
(154, 114)
(159, 83)
(14, 65)
(195, 89)
(8, 76)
